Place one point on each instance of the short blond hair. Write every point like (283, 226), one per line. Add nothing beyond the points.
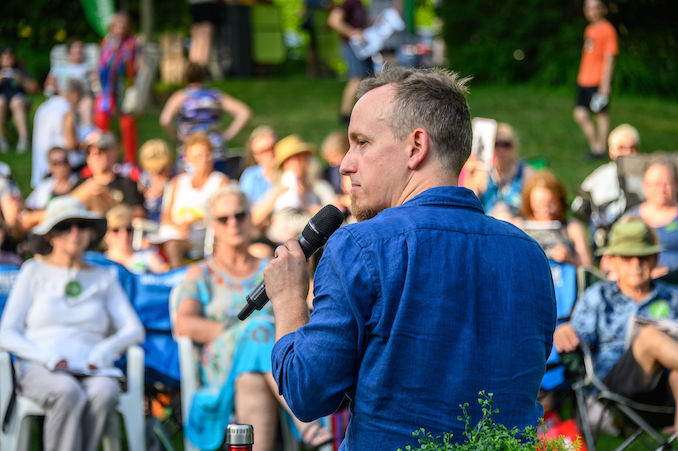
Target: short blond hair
(155, 155)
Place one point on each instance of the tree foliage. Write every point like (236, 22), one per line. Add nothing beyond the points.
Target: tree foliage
(540, 41)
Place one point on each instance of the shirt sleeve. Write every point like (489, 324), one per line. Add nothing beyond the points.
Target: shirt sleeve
(13, 324)
(128, 328)
(316, 365)
(585, 315)
(611, 45)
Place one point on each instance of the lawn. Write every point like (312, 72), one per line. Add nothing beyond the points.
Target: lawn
(541, 116)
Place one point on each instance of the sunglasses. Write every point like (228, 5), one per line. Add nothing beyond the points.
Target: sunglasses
(239, 217)
(67, 225)
(504, 144)
(63, 162)
(127, 229)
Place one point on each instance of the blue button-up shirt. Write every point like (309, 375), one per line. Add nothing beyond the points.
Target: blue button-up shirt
(601, 317)
(415, 312)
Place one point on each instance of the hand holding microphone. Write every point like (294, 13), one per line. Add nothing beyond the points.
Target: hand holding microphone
(314, 236)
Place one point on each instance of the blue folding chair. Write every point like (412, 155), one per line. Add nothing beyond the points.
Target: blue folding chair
(565, 285)
(8, 274)
(149, 295)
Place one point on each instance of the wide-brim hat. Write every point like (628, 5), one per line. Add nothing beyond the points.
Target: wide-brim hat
(60, 209)
(290, 146)
(631, 238)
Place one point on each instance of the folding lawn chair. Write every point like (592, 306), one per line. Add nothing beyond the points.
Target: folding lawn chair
(639, 421)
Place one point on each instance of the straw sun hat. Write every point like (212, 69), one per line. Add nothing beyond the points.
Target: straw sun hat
(290, 146)
(60, 209)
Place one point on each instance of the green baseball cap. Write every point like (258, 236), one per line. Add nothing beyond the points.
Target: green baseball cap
(631, 238)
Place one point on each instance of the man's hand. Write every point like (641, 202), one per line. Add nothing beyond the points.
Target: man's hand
(286, 279)
(565, 339)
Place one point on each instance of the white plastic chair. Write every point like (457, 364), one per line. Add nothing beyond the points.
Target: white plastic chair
(130, 406)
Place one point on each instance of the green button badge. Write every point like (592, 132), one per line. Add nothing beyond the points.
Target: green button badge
(659, 309)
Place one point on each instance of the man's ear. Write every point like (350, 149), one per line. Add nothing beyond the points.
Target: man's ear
(419, 147)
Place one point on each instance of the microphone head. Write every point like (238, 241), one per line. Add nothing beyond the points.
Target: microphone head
(322, 225)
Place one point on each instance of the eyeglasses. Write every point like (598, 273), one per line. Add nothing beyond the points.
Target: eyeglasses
(63, 162)
(127, 229)
(504, 144)
(67, 225)
(239, 217)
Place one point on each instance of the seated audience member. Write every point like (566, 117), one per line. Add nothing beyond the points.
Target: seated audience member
(60, 182)
(67, 322)
(334, 147)
(184, 207)
(499, 187)
(660, 210)
(199, 109)
(648, 370)
(259, 175)
(235, 360)
(118, 240)
(75, 68)
(104, 188)
(296, 194)
(55, 124)
(601, 201)
(543, 209)
(15, 83)
(155, 158)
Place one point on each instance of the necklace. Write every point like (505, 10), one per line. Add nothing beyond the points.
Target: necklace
(73, 287)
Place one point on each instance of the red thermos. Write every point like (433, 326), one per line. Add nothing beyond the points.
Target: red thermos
(239, 437)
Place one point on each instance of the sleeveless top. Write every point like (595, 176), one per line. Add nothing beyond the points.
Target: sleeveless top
(201, 111)
(508, 193)
(191, 203)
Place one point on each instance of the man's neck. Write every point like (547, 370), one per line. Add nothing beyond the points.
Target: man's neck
(104, 178)
(638, 293)
(421, 181)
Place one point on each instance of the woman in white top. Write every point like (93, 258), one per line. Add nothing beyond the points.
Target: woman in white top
(67, 322)
(185, 203)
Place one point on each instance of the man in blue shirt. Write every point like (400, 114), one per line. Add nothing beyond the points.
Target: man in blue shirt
(426, 301)
(647, 370)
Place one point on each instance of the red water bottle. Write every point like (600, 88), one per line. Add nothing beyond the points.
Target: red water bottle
(239, 437)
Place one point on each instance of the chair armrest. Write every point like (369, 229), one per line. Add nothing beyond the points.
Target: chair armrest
(135, 370)
(187, 367)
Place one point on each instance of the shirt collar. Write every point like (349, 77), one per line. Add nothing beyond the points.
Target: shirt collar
(614, 291)
(453, 196)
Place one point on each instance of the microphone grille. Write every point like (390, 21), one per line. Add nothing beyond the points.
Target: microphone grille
(322, 225)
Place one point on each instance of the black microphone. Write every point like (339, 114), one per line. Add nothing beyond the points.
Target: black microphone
(313, 237)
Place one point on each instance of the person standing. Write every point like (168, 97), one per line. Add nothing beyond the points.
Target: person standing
(56, 125)
(117, 69)
(594, 79)
(350, 20)
(407, 345)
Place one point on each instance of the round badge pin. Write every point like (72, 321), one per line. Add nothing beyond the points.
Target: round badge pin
(73, 289)
(659, 309)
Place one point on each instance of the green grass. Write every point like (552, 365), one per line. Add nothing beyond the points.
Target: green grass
(542, 118)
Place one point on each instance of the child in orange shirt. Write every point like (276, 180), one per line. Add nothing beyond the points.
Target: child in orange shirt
(595, 77)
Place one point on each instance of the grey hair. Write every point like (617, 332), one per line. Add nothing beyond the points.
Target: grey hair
(432, 99)
(621, 131)
(230, 188)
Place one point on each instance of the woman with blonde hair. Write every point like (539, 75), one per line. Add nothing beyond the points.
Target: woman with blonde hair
(235, 359)
(499, 187)
(155, 158)
(185, 204)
